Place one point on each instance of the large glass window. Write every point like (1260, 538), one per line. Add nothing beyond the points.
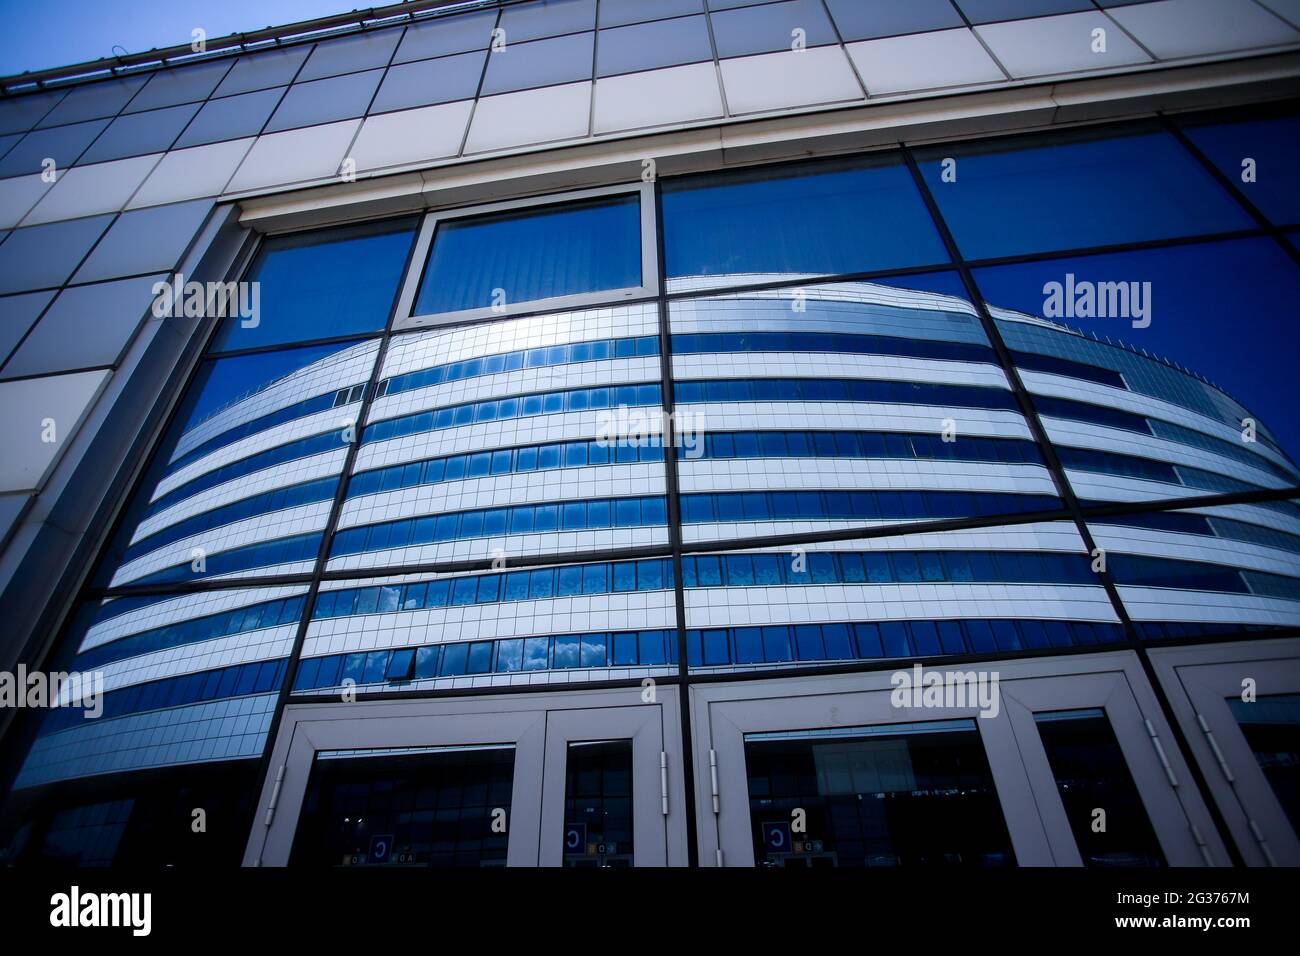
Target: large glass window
(1257, 156)
(496, 262)
(433, 808)
(598, 804)
(1072, 190)
(911, 795)
(320, 285)
(856, 215)
(1101, 801)
(1271, 726)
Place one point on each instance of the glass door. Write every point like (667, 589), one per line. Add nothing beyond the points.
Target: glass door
(607, 797)
(1241, 705)
(1110, 784)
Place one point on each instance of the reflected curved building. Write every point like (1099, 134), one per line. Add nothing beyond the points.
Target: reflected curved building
(592, 517)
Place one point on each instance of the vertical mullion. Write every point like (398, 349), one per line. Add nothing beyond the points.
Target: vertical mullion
(675, 532)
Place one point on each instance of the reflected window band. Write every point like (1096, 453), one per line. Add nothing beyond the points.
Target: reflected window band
(504, 461)
(587, 515)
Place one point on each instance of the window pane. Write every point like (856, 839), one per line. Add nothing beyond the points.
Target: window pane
(1120, 186)
(581, 247)
(1271, 143)
(321, 284)
(876, 796)
(827, 217)
(1091, 772)
(1270, 724)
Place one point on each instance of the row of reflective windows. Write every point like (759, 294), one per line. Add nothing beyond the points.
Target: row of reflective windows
(333, 440)
(1114, 463)
(868, 444)
(1140, 373)
(1180, 630)
(695, 343)
(718, 445)
(650, 574)
(889, 345)
(522, 406)
(264, 422)
(875, 639)
(561, 652)
(884, 567)
(238, 680)
(241, 620)
(587, 515)
(264, 554)
(1141, 571)
(1128, 421)
(774, 644)
(652, 511)
(739, 570)
(731, 570)
(865, 505)
(589, 351)
(1054, 365)
(1243, 453)
(528, 458)
(1209, 526)
(721, 445)
(290, 496)
(842, 390)
(765, 444)
(740, 506)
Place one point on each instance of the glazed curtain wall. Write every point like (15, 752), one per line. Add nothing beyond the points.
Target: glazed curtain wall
(892, 440)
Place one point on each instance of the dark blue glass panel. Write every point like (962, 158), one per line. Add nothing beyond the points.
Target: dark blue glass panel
(590, 246)
(823, 218)
(1271, 145)
(1027, 194)
(322, 284)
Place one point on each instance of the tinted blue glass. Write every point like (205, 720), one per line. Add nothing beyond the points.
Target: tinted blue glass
(1271, 145)
(1032, 194)
(827, 218)
(590, 246)
(322, 284)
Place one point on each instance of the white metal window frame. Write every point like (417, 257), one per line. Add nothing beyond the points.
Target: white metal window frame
(648, 287)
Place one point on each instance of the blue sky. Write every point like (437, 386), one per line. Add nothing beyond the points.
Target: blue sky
(41, 35)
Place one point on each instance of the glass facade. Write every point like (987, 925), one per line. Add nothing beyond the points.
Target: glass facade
(908, 404)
